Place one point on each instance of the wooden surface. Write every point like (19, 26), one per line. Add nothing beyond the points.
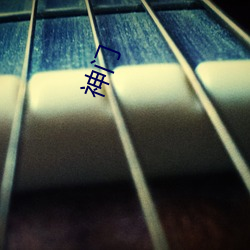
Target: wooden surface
(209, 212)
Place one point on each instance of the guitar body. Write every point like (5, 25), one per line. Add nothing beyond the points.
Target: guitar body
(74, 186)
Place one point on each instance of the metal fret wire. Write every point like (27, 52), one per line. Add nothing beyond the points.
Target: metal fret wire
(235, 28)
(151, 217)
(11, 157)
(223, 133)
(76, 11)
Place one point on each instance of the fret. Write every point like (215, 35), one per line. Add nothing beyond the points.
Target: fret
(55, 8)
(73, 8)
(7, 181)
(15, 10)
(226, 138)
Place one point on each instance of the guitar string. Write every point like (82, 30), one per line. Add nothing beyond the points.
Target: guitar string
(234, 27)
(156, 231)
(229, 144)
(12, 151)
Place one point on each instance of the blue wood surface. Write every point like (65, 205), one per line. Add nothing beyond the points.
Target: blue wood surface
(201, 38)
(67, 43)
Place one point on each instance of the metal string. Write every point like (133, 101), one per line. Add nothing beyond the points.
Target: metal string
(151, 217)
(12, 151)
(229, 144)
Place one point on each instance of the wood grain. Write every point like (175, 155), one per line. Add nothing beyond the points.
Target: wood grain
(197, 213)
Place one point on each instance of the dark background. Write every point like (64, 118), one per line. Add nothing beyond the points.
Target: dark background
(238, 11)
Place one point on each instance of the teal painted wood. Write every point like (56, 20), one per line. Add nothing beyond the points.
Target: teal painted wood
(201, 38)
(67, 43)
(12, 47)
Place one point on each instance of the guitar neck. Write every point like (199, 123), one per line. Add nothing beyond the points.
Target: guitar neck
(171, 107)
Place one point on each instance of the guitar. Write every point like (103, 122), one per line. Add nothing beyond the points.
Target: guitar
(73, 186)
